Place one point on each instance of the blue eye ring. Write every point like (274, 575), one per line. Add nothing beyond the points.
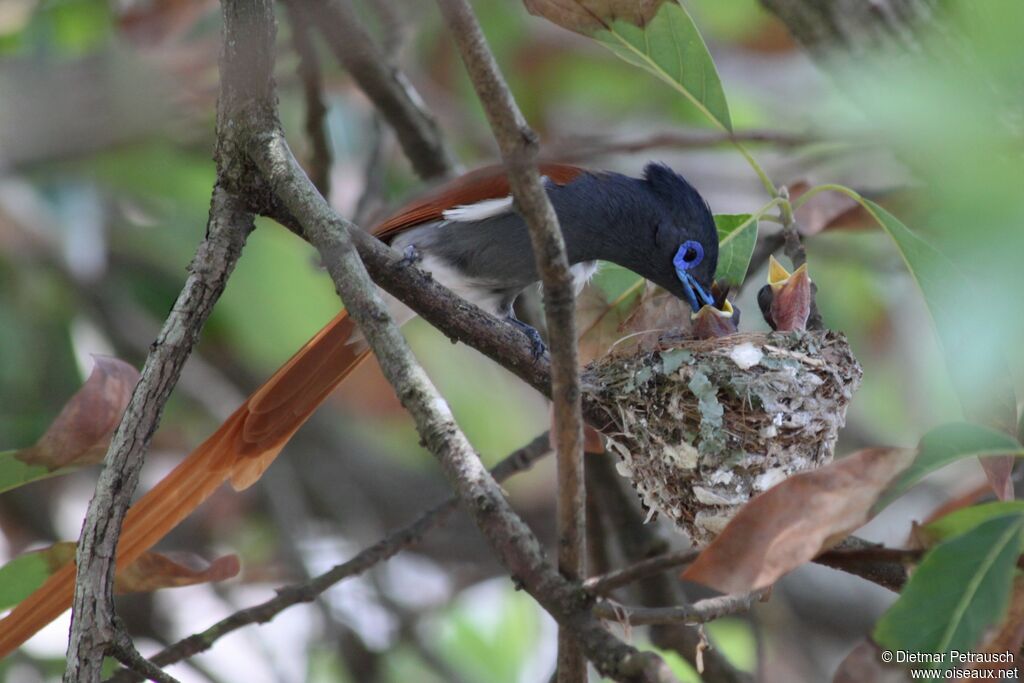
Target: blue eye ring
(692, 249)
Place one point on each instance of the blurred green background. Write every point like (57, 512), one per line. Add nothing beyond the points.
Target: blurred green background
(106, 130)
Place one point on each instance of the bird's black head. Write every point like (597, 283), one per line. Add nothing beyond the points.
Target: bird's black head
(685, 253)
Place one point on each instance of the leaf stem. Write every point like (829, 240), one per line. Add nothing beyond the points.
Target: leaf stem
(818, 189)
(761, 174)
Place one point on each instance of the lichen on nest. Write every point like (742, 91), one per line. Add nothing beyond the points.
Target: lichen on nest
(701, 426)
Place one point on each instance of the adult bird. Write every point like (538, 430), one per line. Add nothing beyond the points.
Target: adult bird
(469, 236)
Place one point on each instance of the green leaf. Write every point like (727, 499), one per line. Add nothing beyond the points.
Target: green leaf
(15, 473)
(737, 234)
(960, 589)
(946, 444)
(989, 399)
(25, 573)
(671, 48)
(963, 520)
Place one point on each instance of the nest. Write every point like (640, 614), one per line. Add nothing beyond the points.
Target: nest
(701, 426)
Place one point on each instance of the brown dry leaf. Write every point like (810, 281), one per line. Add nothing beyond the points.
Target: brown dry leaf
(593, 442)
(658, 312)
(827, 210)
(794, 521)
(153, 570)
(864, 663)
(835, 211)
(999, 471)
(81, 432)
(170, 570)
(587, 16)
(600, 320)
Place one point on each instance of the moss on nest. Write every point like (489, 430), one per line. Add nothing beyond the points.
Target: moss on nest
(701, 426)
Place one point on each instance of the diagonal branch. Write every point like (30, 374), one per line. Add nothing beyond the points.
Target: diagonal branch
(516, 546)
(385, 85)
(519, 147)
(606, 583)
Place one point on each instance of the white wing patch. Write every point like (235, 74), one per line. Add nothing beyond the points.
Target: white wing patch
(471, 213)
(488, 208)
(581, 274)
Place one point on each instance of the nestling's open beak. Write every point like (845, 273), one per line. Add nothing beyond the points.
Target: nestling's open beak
(786, 304)
(711, 322)
(695, 294)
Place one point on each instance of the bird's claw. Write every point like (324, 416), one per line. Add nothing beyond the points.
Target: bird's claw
(537, 346)
(410, 256)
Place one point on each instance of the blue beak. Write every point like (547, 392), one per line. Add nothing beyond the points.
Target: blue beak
(695, 294)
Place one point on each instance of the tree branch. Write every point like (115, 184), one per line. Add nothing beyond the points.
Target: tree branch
(699, 612)
(246, 92)
(606, 583)
(519, 147)
(516, 546)
(584, 147)
(312, 90)
(307, 591)
(93, 630)
(386, 86)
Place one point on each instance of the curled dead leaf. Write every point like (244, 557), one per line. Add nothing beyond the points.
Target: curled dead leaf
(794, 521)
(152, 570)
(81, 432)
(170, 570)
(587, 16)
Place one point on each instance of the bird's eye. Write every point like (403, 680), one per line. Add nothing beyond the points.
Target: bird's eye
(689, 255)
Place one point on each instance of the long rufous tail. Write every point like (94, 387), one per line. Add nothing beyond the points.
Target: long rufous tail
(240, 451)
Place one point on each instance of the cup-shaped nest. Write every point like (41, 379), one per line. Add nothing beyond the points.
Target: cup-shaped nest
(702, 426)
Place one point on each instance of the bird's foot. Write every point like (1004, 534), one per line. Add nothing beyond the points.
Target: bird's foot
(537, 345)
(410, 256)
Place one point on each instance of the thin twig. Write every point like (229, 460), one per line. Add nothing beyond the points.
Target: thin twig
(392, 26)
(307, 591)
(386, 86)
(370, 201)
(582, 148)
(699, 612)
(606, 583)
(312, 89)
(519, 148)
(124, 651)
